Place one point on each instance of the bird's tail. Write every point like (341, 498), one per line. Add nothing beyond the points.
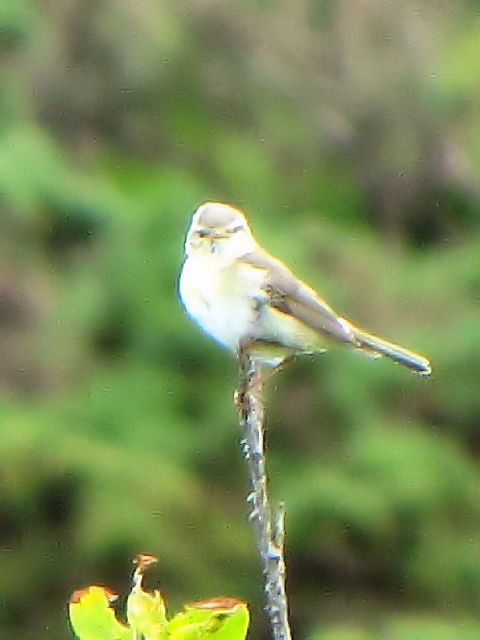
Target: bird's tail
(378, 346)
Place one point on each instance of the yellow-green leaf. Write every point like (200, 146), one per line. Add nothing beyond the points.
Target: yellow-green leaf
(146, 613)
(92, 618)
(215, 619)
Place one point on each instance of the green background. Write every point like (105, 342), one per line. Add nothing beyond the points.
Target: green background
(349, 132)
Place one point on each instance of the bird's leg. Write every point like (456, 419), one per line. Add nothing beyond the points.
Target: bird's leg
(276, 368)
(258, 381)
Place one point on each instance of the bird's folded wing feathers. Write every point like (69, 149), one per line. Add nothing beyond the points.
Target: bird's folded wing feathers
(291, 296)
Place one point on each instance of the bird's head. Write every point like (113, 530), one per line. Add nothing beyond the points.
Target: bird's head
(219, 229)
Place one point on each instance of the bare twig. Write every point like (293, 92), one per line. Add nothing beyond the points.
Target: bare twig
(269, 535)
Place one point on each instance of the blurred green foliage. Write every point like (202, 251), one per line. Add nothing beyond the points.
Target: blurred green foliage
(356, 125)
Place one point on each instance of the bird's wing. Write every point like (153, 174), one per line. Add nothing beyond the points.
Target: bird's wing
(288, 294)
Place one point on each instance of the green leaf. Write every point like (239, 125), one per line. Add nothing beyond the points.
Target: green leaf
(92, 618)
(146, 613)
(215, 619)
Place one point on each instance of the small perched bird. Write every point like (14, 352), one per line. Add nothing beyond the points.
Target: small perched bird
(244, 298)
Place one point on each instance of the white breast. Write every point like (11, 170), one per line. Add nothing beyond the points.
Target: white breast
(221, 299)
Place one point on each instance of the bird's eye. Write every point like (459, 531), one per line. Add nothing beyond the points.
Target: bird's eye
(202, 233)
(237, 228)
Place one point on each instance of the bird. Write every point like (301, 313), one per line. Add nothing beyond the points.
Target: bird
(244, 298)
